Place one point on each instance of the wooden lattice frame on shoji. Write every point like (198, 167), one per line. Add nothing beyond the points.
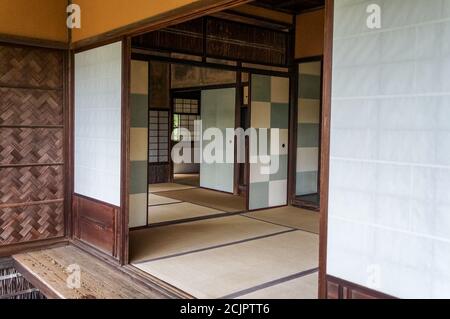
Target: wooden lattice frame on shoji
(31, 144)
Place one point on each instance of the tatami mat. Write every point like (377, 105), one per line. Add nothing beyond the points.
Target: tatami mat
(223, 271)
(306, 287)
(221, 201)
(155, 200)
(152, 243)
(291, 217)
(167, 187)
(178, 211)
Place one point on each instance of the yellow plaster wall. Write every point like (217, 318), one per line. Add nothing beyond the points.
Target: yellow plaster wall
(310, 34)
(100, 16)
(39, 19)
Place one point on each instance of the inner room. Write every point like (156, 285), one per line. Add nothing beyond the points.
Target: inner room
(206, 205)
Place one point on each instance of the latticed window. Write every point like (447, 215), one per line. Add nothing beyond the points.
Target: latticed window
(159, 137)
(186, 112)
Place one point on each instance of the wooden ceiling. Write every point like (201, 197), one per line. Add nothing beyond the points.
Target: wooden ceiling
(289, 6)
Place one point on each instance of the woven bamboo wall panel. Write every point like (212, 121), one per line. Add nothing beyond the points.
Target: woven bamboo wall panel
(31, 223)
(31, 144)
(25, 146)
(31, 184)
(30, 107)
(30, 67)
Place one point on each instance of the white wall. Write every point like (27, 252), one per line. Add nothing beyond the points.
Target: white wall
(389, 209)
(98, 98)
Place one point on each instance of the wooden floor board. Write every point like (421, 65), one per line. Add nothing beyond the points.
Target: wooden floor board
(49, 271)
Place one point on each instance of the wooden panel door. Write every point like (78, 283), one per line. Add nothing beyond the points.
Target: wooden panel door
(31, 144)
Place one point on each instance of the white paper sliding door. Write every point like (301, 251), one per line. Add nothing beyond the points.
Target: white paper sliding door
(389, 205)
(218, 109)
(98, 103)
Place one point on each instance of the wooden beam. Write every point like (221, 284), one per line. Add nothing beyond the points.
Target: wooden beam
(185, 13)
(325, 146)
(19, 40)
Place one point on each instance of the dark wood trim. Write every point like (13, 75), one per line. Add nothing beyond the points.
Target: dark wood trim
(315, 58)
(305, 205)
(166, 19)
(67, 142)
(252, 20)
(293, 111)
(342, 289)
(237, 124)
(31, 87)
(275, 23)
(44, 202)
(29, 164)
(149, 87)
(35, 42)
(204, 88)
(50, 127)
(70, 141)
(171, 142)
(234, 68)
(123, 222)
(294, 129)
(325, 145)
(186, 220)
(247, 143)
(7, 251)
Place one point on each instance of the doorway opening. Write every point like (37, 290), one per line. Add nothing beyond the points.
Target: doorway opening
(234, 228)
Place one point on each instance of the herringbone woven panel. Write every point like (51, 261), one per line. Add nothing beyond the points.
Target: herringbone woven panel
(31, 100)
(30, 107)
(29, 67)
(36, 146)
(31, 184)
(25, 224)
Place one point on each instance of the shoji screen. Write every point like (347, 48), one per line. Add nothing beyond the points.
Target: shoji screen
(98, 89)
(139, 136)
(270, 110)
(389, 206)
(218, 109)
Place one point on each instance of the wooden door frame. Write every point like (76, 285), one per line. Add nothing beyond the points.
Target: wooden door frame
(325, 126)
(121, 234)
(187, 13)
(294, 125)
(325, 145)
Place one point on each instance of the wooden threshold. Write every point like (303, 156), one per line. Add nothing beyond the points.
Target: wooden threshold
(51, 270)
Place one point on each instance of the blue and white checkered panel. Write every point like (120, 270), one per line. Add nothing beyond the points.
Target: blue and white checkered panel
(138, 144)
(308, 127)
(270, 109)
